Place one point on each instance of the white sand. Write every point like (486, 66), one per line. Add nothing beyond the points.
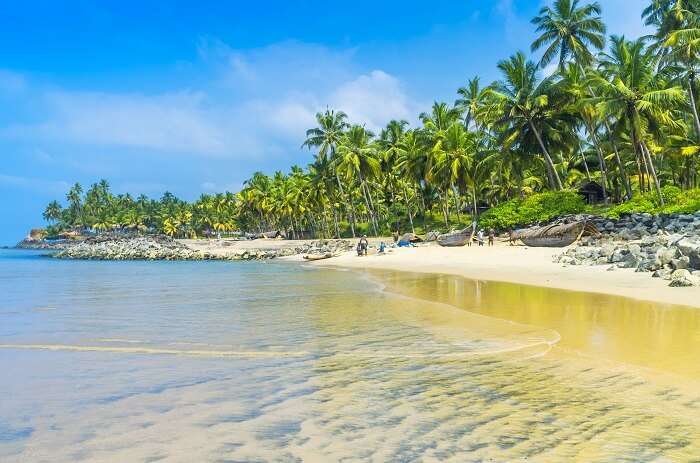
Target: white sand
(525, 265)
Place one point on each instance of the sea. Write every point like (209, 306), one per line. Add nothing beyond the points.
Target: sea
(285, 362)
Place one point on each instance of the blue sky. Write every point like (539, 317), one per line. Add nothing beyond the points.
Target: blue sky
(193, 97)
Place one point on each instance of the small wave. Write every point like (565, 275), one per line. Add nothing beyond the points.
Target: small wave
(155, 351)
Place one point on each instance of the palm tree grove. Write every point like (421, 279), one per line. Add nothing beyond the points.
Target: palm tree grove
(615, 111)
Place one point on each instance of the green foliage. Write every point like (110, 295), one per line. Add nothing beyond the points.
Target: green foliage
(539, 207)
(677, 202)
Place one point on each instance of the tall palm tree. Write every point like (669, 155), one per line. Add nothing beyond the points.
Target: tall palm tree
(522, 98)
(325, 137)
(569, 31)
(471, 100)
(53, 211)
(357, 159)
(634, 92)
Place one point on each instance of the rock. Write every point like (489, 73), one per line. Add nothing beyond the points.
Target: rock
(683, 278)
(662, 273)
(666, 255)
(681, 263)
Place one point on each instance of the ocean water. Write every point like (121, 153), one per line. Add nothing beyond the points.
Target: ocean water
(281, 362)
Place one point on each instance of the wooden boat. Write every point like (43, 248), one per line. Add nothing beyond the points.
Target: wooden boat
(556, 235)
(410, 238)
(454, 239)
(327, 255)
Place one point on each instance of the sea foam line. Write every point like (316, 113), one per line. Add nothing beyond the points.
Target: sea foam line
(148, 350)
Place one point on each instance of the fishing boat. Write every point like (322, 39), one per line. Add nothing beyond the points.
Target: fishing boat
(327, 255)
(557, 235)
(454, 239)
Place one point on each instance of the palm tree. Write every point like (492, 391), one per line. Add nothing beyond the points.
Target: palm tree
(522, 98)
(633, 92)
(471, 101)
(357, 158)
(569, 31)
(53, 212)
(325, 137)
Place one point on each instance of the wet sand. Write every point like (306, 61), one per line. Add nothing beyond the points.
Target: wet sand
(524, 265)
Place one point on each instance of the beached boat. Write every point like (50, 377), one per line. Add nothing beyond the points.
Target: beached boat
(555, 235)
(454, 239)
(327, 255)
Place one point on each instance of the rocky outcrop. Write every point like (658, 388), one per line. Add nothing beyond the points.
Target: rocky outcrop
(121, 247)
(667, 246)
(160, 247)
(29, 243)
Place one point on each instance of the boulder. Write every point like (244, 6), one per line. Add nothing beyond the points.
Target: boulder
(683, 278)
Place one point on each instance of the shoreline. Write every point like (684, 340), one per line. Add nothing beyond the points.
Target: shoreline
(520, 265)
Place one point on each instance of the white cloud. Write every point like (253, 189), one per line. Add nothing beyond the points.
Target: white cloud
(624, 17)
(171, 122)
(248, 105)
(373, 99)
(35, 184)
(213, 187)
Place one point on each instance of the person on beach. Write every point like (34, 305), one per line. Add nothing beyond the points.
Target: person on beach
(395, 235)
(363, 245)
(382, 247)
(480, 237)
(492, 235)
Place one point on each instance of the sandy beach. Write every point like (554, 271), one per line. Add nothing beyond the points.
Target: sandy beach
(524, 265)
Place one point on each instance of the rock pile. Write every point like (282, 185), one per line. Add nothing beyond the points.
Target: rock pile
(125, 247)
(668, 246)
(40, 244)
(160, 247)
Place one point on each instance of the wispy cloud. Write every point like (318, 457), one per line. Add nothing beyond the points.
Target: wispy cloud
(249, 104)
(35, 184)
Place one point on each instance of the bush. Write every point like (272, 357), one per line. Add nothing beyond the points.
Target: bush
(539, 207)
(677, 202)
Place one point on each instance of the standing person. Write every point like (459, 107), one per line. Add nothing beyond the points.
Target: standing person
(492, 235)
(364, 244)
(480, 237)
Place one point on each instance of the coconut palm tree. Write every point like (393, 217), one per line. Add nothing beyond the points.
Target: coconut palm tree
(522, 99)
(569, 31)
(326, 137)
(357, 158)
(53, 212)
(635, 93)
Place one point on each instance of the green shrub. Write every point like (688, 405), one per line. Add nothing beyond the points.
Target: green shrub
(539, 207)
(677, 202)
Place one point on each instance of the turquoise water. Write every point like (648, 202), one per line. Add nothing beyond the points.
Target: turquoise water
(279, 362)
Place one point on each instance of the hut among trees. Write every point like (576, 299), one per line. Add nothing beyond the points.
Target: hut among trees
(592, 192)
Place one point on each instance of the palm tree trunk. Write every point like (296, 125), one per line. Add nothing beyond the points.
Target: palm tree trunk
(585, 166)
(408, 209)
(601, 162)
(621, 167)
(442, 206)
(547, 157)
(652, 171)
(368, 203)
(693, 105)
(351, 213)
(618, 161)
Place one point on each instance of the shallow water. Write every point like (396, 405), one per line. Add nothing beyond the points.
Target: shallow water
(217, 361)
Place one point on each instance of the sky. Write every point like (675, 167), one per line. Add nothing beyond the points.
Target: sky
(193, 97)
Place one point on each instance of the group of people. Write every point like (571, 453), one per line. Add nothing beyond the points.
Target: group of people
(481, 237)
